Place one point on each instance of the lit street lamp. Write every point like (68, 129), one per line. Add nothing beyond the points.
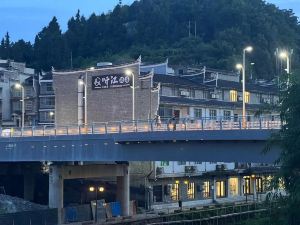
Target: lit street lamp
(19, 86)
(101, 190)
(84, 83)
(247, 49)
(130, 73)
(286, 55)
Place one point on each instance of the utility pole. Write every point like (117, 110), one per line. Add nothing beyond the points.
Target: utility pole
(195, 28)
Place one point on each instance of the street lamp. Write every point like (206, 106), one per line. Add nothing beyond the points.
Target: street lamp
(130, 73)
(286, 55)
(96, 189)
(247, 49)
(85, 82)
(19, 86)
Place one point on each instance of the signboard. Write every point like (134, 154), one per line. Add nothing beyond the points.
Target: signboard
(111, 81)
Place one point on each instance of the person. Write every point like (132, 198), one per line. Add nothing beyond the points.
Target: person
(173, 121)
(157, 121)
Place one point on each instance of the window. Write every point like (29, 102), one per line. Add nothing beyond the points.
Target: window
(198, 112)
(247, 185)
(165, 112)
(174, 192)
(247, 97)
(213, 114)
(157, 193)
(191, 190)
(221, 189)
(236, 117)
(233, 95)
(259, 185)
(164, 163)
(227, 115)
(181, 163)
(234, 186)
(206, 189)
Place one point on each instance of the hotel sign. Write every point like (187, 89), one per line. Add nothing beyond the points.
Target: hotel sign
(111, 81)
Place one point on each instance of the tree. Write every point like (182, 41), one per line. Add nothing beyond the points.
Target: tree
(49, 48)
(289, 161)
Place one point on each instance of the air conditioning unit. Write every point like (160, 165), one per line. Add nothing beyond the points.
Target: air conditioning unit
(190, 169)
(221, 167)
(159, 170)
(224, 166)
(214, 96)
(240, 98)
(184, 93)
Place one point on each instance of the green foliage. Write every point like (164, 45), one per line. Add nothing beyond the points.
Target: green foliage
(289, 161)
(157, 29)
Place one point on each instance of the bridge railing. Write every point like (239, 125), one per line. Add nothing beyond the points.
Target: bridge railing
(154, 125)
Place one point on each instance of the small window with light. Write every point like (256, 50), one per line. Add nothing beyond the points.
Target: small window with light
(247, 97)
(233, 95)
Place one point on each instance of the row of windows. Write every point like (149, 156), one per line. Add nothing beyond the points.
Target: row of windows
(233, 96)
(175, 189)
(167, 112)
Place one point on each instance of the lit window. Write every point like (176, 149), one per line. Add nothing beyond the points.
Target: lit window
(191, 190)
(175, 192)
(233, 95)
(247, 185)
(258, 184)
(234, 186)
(220, 189)
(247, 97)
(206, 189)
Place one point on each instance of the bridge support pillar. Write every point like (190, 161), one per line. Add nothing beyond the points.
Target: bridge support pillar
(123, 191)
(56, 189)
(29, 183)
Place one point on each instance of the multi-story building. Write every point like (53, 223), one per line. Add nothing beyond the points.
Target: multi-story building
(12, 73)
(193, 93)
(46, 100)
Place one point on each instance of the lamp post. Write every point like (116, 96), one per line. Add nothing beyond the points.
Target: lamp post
(130, 73)
(247, 49)
(286, 55)
(93, 189)
(85, 82)
(19, 86)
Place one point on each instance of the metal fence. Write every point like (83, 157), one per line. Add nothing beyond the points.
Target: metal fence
(164, 124)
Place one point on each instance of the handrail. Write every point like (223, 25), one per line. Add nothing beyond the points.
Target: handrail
(154, 125)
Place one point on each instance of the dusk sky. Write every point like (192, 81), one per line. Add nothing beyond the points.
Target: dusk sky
(25, 18)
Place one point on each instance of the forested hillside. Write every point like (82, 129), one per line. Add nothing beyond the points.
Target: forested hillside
(188, 32)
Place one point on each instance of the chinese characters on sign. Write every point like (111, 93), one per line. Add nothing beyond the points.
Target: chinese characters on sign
(111, 81)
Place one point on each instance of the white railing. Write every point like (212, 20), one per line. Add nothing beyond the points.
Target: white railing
(165, 124)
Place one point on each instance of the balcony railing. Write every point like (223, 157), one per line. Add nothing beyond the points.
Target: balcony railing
(167, 125)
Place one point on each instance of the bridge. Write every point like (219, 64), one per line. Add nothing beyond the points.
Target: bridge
(206, 139)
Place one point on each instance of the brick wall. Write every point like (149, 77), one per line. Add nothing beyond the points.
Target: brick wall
(104, 105)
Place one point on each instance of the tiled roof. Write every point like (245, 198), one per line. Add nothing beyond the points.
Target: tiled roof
(198, 82)
(177, 80)
(204, 102)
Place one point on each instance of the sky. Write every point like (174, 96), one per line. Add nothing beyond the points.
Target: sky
(23, 19)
